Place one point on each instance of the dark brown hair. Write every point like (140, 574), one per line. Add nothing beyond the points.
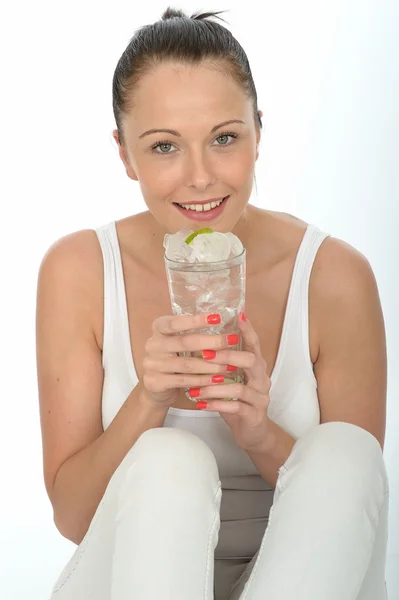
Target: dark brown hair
(188, 40)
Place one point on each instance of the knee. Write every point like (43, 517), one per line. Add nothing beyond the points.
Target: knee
(343, 458)
(166, 444)
(172, 453)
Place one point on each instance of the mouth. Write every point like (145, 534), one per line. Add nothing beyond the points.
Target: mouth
(202, 212)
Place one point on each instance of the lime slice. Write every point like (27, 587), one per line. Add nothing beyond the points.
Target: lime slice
(192, 236)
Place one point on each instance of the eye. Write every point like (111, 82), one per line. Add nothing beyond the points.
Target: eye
(163, 143)
(226, 135)
(159, 145)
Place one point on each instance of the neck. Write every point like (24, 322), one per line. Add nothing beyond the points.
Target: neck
(245, 228)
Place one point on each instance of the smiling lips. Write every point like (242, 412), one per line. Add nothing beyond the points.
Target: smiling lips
(203, 201)
(203, 212)
(203, 206)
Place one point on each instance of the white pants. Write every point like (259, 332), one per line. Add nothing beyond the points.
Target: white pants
(155, 530)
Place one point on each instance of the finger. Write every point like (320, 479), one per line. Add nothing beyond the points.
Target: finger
(235, 407)
(237, 358)
(194, 342)
(254, 366)
(172, 324)
(249, 414)
(177, 364)
(157, 382)
(250, 339)
(256, 376)
(230, 390)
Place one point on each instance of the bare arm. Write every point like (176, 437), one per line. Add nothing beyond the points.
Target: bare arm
(270, 457)
(81, 481)
(351, 369)
(351, 366)
(79, 457)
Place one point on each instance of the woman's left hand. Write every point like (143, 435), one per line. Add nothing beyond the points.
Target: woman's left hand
(246, 416)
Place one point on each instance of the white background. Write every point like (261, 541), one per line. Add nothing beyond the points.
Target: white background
(328, 84)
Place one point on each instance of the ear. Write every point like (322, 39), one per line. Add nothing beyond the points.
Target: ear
(124, 158)
(258, 135)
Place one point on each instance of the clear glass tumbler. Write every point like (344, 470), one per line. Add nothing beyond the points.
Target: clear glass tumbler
(211, 287)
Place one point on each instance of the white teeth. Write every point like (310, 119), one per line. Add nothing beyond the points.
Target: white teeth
(202, 207)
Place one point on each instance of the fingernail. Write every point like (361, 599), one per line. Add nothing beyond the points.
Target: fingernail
(214, 319)
(218, 379)
(208, 354)
(231, 368)
(243, 316)
(232, 339)
(194, 392)
(201, 404)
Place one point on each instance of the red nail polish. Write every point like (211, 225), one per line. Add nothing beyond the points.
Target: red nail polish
(201, 404)
(243, 316)
(213, 319)
(208, 354)
(231, 368)
(232, 339)
(194, 392)
(218, 379)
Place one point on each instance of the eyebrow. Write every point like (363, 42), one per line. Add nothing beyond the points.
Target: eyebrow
(177, 134)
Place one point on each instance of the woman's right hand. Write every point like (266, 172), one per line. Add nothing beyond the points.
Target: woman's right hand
(164, 372)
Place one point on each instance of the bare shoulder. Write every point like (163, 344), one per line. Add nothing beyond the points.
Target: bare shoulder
(73, 264)
(341, 272)
(342, 287)
(76, 253)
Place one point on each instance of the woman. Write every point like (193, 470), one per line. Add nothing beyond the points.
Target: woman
(168, 498)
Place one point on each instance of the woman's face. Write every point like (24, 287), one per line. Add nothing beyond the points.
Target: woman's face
(201, 160)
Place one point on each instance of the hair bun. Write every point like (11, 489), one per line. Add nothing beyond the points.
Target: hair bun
(171, 13)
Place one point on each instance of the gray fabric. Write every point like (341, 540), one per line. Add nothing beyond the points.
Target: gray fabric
(231, 577)
(244, 512)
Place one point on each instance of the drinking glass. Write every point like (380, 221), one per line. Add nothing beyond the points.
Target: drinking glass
(210, 287)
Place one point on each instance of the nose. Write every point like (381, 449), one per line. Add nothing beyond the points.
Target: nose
(199, 172)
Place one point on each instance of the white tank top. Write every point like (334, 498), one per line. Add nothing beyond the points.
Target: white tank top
(293, 405)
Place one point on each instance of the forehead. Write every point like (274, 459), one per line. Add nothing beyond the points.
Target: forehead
(175, 89)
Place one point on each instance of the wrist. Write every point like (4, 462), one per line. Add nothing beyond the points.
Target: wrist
(151, 407)
(268, 445)
(272, 452)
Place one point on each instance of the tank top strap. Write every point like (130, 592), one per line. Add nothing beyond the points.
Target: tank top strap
(115, 309)
(294, 360)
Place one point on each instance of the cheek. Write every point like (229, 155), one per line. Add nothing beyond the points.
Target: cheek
(159, 179)
(241, 161)
(239, 168)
